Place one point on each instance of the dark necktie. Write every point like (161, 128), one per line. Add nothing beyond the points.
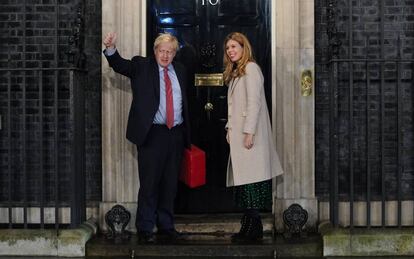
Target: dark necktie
(168, 100)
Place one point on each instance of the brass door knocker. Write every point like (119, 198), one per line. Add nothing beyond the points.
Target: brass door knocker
(306, 82)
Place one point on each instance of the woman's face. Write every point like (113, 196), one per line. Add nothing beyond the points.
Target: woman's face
(234, 50)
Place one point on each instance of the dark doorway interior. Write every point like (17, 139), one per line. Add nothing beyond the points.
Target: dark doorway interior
(201, 27)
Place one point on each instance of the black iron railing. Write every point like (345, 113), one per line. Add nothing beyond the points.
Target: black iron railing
(339, 147)
(44, 125)
(370, 100)
(42, 156)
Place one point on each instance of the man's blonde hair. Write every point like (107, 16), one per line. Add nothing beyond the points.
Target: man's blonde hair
(166, 37)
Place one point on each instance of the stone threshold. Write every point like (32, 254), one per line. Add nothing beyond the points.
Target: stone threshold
(196, 245)
(367, 242)
(217, 223)
(209, 236)
(47, 242)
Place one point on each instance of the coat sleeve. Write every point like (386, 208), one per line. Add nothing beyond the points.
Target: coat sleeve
(254, 85)
(122, 66)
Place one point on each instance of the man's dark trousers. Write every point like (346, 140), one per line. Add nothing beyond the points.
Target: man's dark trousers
(159, 163)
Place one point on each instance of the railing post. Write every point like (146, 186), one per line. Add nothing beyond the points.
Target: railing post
(351, 120)
(9, 135)
(368, 138)
(77, 81)
(334, 44)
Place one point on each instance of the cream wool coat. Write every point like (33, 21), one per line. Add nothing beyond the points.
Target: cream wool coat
(248, 113)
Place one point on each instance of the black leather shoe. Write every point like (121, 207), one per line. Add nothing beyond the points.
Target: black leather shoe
(169, 234)
(146, 237)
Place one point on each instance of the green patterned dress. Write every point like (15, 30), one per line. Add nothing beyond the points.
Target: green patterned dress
(254, 196)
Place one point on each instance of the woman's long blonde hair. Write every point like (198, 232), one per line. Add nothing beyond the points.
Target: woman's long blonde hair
(230, 70)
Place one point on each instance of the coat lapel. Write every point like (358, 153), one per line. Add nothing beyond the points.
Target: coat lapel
(233, 85)
(180, 77)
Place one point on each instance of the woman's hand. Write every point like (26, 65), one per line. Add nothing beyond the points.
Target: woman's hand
(109, 40)
(248, 140)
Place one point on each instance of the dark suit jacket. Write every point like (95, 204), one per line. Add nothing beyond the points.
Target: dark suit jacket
(145, 83)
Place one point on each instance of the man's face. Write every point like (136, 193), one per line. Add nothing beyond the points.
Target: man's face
(164, 53)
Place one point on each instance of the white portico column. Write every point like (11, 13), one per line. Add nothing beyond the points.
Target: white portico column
(119, 156)
(293, 114)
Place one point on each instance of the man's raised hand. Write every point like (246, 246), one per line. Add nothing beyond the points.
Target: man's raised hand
(109, 40)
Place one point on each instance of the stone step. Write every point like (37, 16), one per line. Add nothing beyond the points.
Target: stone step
(199, 247)
(217, 223)
(208, 236)
(193, 245)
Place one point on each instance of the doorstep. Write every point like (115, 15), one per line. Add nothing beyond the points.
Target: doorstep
(202, 246)
(209, 236)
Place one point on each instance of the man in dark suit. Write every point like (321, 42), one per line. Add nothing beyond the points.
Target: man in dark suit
(158, 124)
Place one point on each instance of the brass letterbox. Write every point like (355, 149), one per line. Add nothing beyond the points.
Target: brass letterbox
(215, 79)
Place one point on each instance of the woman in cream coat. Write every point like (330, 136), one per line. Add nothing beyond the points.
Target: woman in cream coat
(253, 160)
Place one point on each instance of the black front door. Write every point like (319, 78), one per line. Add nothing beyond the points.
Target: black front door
(201, 26)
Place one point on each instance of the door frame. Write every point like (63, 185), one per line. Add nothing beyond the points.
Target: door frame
(270, 86)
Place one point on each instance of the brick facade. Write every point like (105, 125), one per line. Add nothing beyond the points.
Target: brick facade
(398, 36)
(32, 45)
